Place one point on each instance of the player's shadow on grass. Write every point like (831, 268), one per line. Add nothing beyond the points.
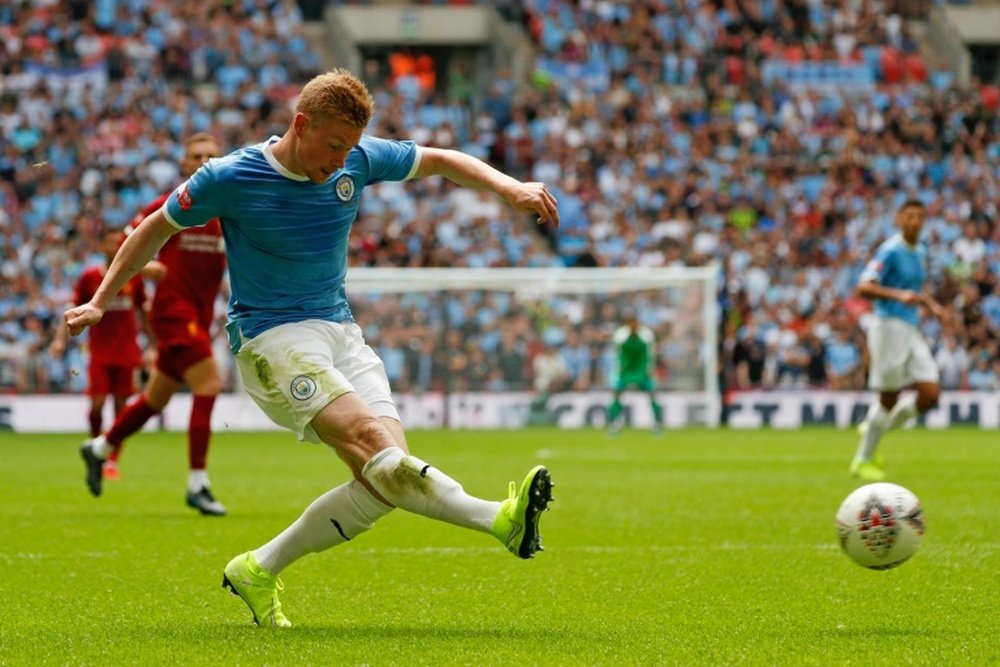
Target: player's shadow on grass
(420, 633)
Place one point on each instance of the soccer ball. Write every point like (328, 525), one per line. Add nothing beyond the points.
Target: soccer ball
(880, 525)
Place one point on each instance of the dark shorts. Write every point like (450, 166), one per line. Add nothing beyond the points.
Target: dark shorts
(180, 345)
(174, 360)
(641, 382)
(112, 379)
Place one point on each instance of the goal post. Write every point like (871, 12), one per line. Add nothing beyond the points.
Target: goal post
(446, 335)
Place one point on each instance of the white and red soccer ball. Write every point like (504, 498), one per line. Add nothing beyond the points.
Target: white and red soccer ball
(880, 525)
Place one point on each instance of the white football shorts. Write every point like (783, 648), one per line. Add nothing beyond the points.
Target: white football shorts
(899, 355)
(295, 370)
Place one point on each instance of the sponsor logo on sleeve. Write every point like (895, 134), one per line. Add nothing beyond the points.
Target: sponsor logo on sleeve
(184, 199)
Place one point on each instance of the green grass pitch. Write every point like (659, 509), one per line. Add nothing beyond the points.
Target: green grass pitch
(696, 548)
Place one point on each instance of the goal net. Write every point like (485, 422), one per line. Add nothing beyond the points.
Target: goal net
(506, 348)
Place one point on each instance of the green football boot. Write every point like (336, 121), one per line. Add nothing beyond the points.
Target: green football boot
(868, 471)
(259, 589)
(516, 524)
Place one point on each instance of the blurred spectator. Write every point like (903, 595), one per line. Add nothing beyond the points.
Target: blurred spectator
(953, 363)
(550, 371)
(843, 362)
(749, 357)
(983, 375)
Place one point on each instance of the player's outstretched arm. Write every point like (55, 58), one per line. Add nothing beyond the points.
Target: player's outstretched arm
(471, 172)
(870, 289)
(137, 250)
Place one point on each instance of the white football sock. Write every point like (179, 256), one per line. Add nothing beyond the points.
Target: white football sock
(339, 515)
(416, 487)
(877, 420)
(101, 447)
(904, 410)
(197, 480)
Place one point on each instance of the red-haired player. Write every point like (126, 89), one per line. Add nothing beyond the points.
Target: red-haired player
(189, 271)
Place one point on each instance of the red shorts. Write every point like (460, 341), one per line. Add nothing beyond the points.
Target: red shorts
(173, 360)
(112, 379)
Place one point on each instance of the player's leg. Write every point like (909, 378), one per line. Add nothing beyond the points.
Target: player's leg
(123, 387)
(928, 396)
(202, 377)
(98, 387)
(866, 465)
(137, 412)
(886, 375)
(922, 373)
(514, 521)
(120, 401)
(430, 491)
(615, 409)
(361, 439)
(336, 517)
(364, 443)
(657, 413)
(96, 415)
(650, 388)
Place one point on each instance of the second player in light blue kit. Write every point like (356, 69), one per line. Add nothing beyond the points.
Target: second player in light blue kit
(286, 207)
(900, 357)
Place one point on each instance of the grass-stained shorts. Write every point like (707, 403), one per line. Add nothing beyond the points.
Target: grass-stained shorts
(295, 370)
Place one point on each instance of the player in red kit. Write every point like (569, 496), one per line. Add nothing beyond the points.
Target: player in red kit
(189, 268)
(114, 352)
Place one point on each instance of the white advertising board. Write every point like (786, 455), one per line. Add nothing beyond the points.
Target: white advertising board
(786, 410)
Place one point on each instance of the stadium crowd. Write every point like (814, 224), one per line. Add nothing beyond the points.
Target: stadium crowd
(669, 130)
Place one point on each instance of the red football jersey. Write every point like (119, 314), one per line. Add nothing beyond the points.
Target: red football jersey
(196, 261)
(113, 339)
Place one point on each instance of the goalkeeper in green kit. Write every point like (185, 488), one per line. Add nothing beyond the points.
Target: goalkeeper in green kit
(635, 357)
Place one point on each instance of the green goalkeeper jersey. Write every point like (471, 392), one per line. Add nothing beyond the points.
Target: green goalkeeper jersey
(635, 352)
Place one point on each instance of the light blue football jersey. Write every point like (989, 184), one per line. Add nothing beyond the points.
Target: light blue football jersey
(897, 264)
(286, 237)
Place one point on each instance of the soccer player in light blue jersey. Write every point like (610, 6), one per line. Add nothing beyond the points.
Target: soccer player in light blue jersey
(286, 206)
(900, 357)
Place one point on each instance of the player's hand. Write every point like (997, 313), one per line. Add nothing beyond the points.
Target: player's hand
(155, 271)
(911, 298)
(933, 307)
(535, 198)
(79, 318)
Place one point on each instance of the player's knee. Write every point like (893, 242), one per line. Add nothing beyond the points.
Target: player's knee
(208, 387)
(928, 398)
(368, 435)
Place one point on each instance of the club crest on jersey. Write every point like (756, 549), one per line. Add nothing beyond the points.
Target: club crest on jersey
(345, 188)
(184, 199)
(303, 387)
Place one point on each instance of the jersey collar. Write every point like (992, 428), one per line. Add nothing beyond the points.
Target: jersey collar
(277, 166)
